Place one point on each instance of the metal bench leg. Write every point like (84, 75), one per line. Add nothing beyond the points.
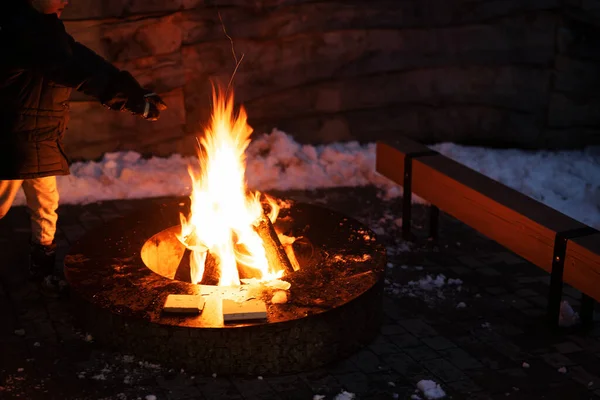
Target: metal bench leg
(407, 200)
(434, 222)
(587, 311)
(556, 281)
(407, 195)
(556, 277)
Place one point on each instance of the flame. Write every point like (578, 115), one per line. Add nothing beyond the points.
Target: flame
(223, 211)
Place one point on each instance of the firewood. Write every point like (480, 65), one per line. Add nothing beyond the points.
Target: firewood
(276, 255)
(184, 304)
(245, 311)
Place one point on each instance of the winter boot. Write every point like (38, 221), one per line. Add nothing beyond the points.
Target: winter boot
(41, 270)
(41, 261)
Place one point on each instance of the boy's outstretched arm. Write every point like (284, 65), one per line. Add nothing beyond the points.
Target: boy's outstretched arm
(91, 74)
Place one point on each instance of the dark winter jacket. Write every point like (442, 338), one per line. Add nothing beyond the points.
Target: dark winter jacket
(39, 66)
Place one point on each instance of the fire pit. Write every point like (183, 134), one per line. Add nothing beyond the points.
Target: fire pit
(242, 283)
(334, 305)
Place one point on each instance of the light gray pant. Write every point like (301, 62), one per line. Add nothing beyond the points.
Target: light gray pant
(42, 200)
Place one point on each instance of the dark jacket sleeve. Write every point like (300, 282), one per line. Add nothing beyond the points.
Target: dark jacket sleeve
(85, 71)
(91, 74)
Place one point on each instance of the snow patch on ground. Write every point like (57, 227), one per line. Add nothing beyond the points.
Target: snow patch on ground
(431, 288)
(567, 317)
(431, 389)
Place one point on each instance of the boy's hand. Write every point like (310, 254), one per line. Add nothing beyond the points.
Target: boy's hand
(125, 94)
(148, 107)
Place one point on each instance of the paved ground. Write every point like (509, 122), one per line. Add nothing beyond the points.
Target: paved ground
(482, 336)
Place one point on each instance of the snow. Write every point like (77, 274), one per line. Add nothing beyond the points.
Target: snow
(568, 181)
(567, 317)
(430, 288)
(343, 395)
(431, 389)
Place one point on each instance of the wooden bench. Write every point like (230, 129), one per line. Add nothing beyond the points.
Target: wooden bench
(569, 250)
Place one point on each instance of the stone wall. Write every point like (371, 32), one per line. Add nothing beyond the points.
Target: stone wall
(519, 73)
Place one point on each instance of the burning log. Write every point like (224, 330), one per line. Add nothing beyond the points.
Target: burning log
(276, 255)
(211, 269)
(183, 270)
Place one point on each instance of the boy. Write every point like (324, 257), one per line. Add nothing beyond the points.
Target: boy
(39, 66)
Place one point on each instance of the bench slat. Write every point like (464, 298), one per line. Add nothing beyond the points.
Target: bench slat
(582, 264)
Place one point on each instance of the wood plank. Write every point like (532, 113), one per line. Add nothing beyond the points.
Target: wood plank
(516, 221)
(582, 265)
(390, 157)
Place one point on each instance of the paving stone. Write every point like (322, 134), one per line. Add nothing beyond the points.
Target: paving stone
(404, 340)
(488, 271)
(343, 366)
(514, 372)
(366, 361)
(589, 343)
(495, 290)
(219, 388)
(460, 270)
(571, 291)
(520, 303)
(567, 347)
(355, 382)
(461, 359)
(391, 309)
(290, 387)
(255, 389)
(580, 375)
(320, 381)
(465, 386)
(526, 292)
(509, 258)
(480, 396)
(392, 329)
(404, 365)
(507, 329)
(438, 342)
(381, 345)
(509, 349)
(557, 360)
(179, 387)
(418, 327)
(443, 370)
(470, 261)
(533, 313)
(421, 353)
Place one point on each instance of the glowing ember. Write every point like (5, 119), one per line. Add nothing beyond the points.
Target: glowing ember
(224, 214)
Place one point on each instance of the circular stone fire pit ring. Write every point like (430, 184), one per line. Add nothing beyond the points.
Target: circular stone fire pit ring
(334, 305)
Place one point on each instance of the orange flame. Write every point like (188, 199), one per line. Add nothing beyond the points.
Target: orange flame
(223, 211)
